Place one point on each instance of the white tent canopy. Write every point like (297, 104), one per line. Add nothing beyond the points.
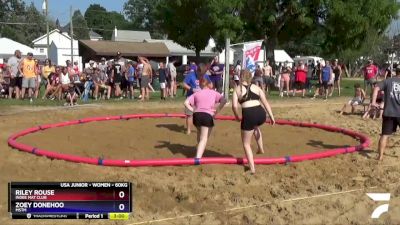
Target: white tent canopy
(8, 47)
(282, 56)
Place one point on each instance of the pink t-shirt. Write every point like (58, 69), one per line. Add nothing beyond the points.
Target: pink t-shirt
(205, 100)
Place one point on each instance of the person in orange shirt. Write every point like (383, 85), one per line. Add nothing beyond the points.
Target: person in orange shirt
(27, 68)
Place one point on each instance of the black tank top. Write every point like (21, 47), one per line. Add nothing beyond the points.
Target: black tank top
(249, 95)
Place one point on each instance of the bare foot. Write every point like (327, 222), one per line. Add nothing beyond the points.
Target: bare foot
(379, 158)
(260, 151)
(188, 132)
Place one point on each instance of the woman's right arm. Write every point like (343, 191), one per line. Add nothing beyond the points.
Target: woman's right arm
(235, 104)
(188, 105)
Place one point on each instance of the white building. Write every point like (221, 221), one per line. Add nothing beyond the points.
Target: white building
(8, 47)
(60, 47)
(95, 36)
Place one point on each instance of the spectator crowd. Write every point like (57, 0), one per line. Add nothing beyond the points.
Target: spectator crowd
(119, 78)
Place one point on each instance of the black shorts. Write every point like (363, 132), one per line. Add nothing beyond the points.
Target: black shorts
(325, 84)
(16, 82)
(217, 83)
(253, 117)
(202, 119)
(300, 85)
(268, 80)
(337, 77)
(389, 125)
(124, 83)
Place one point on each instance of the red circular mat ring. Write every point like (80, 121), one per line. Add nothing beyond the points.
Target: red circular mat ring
(12, 141)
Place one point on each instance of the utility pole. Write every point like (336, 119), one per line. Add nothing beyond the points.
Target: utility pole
(226, 70)
(45, 8)
(72, 35)
(47, 28)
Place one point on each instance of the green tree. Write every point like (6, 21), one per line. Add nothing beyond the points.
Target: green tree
(348, 23)
(186, 22)
(96, 17)
(23, 23)
(224, 14)
(343, 24)
(141, 16)
(103, 22)
(192, 23)
(81, 30)
(278, 21)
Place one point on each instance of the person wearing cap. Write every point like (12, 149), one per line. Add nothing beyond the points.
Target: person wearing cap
(27, 68)
(337, 71)
(16, 78)
(370, 74)
(391, 110)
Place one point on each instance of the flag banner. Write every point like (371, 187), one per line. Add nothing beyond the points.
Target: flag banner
(251, 54)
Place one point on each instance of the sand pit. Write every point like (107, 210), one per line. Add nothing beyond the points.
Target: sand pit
(326, 191)
(161, 138)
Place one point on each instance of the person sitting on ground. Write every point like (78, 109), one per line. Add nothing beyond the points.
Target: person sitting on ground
(205, 104)
(65, 81)
(71, 95)
(359, 96)
(54, 84)
(374, 112)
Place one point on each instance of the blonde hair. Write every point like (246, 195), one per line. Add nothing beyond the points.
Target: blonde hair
(246, 76)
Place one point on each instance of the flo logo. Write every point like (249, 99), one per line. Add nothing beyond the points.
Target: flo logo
(379, 197)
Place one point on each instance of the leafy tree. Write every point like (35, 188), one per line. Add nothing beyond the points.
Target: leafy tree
(186, 22)
(141, 16)
(343, 24)
(278, 21)
(227, 23)
(81, 30)
(193, 23)
(348, 23)
(103, 22)
(25, 22)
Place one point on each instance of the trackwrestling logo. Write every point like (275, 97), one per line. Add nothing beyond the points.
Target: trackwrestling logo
(379, 197)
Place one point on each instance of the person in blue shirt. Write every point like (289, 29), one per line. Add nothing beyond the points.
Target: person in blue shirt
(192, 85)
(130, 77)
(326, 77)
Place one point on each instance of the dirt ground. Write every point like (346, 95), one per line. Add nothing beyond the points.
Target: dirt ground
(325, 191)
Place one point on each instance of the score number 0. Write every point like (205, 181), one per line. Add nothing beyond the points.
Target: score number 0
(121, 195)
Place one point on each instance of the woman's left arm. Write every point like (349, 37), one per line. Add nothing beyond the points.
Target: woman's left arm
(267, 106)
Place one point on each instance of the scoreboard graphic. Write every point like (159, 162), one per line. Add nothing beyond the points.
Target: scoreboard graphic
(70, 200)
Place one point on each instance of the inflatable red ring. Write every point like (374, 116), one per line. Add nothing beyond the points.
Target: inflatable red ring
(12, 141)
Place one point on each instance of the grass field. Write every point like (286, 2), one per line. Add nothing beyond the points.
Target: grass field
(347, 90)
